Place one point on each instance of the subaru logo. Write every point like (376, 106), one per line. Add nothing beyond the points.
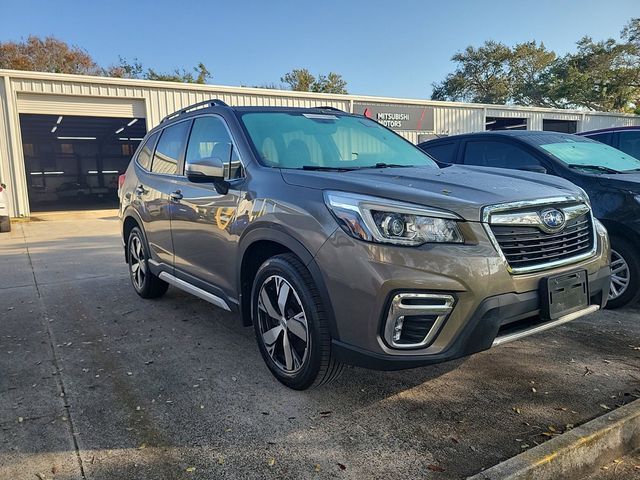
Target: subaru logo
(553, 219)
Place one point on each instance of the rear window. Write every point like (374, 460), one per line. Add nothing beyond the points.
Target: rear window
(444, 152)
(144, 157)
(170, 148)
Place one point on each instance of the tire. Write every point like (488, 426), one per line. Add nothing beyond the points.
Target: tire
(144, 282)
(625, 273)
(5, 225)
(310, 363)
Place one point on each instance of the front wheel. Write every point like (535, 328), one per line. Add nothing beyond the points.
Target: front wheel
(291, 324)
(625, 273)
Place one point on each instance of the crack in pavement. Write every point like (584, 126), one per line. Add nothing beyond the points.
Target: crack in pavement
(55, 359)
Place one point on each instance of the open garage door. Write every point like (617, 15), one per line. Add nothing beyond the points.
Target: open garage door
(72, 162)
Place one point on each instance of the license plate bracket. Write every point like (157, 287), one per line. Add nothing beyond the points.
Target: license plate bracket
(564, 294)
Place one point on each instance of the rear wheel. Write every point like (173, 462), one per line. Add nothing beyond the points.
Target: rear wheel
(625, 273)
(145, 283)
(291, 325)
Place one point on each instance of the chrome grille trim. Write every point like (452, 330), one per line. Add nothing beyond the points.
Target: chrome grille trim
(512, 214)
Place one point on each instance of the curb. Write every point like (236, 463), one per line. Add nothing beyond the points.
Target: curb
(577, 452)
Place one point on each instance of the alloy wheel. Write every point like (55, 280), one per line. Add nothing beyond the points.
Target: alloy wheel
(283, 324)
(620, 275)
(137, 265)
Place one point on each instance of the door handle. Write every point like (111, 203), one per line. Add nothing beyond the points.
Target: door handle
(140, 190)
(176, 196)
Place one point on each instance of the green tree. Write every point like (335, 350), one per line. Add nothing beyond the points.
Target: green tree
(301, 80)
(529, 68)
(598, 75)
(481, 75)
(134, 69)
(47, 55)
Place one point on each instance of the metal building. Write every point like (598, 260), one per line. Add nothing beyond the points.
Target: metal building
(64, 139)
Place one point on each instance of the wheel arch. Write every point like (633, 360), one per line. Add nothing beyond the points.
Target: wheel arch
(262, 243)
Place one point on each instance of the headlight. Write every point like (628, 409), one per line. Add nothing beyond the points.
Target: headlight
(637, 197)
(385, 221)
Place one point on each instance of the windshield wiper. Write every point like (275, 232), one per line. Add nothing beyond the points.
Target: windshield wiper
(595, 167)
(385, 165)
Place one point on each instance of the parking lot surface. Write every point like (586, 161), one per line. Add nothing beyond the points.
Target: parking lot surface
(97, 383)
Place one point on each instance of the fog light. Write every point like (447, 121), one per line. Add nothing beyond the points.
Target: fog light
(414, 319)
(397, 329)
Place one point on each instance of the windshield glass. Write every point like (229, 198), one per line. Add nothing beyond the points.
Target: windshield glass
(591, 154)
(311, 140)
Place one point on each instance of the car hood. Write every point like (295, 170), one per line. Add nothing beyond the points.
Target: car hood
(463, 190)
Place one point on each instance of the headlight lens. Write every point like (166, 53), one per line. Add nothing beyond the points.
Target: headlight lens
(385, 221)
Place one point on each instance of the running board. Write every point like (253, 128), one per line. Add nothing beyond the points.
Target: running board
(193, 290)
(544, 326)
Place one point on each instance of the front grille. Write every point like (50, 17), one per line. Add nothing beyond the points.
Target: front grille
(529, 246)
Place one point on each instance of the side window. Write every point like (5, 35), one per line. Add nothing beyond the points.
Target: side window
(210, 138)
(444, 152)
(170, 148)
(602, 137)
(629, 142)
(489, 153)
(144, 157)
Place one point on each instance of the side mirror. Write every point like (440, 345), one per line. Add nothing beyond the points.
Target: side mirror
(210, 169)
(534, 168)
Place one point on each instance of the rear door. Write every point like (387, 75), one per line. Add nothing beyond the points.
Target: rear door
(156, 187)
(205, 225)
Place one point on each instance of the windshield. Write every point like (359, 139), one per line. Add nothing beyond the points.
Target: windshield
(592, 155)
(321, 141)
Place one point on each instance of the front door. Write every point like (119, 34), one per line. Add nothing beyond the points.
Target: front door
(204, 220)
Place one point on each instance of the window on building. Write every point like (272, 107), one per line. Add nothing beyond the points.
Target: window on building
(561, 126)
(170, 148)
(505, 123)
(490, 153)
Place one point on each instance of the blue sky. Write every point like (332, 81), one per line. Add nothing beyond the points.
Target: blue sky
(393, 48)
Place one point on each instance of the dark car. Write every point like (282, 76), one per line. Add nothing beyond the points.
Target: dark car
(610, 177)
(341, 242)
(626, 139)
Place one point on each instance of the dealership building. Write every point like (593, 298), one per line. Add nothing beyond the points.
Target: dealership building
(64, 139)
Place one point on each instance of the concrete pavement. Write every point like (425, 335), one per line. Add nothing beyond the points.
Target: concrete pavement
(98, 383)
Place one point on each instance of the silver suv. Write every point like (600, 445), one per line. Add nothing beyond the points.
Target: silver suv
(341, 242)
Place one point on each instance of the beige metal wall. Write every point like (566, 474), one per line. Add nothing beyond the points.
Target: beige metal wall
(31, 91)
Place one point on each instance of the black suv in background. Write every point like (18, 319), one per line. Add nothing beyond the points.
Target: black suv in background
(610, 177)
(626, 139)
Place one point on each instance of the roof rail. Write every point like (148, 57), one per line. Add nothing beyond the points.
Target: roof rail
(214, 102)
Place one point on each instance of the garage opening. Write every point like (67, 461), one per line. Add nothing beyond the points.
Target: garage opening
(502, 123)
(73, 162)
(562, 126)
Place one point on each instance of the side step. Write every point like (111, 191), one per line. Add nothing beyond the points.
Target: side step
(193, 290)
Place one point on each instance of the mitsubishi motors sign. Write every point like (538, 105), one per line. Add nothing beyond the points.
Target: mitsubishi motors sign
(398, 117)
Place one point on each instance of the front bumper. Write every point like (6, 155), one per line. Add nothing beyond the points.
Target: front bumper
(490, 302)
